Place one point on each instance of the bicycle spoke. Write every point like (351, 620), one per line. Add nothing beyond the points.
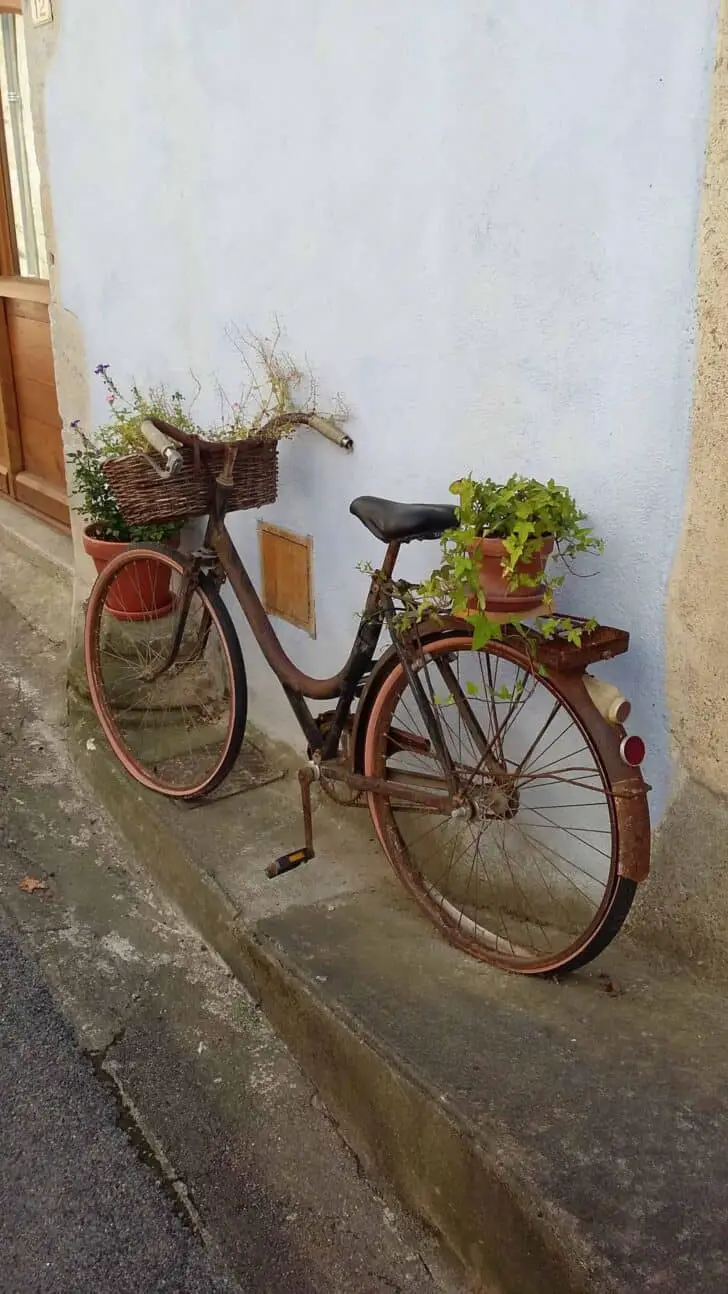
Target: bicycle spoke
(544, 729)
(549, 857)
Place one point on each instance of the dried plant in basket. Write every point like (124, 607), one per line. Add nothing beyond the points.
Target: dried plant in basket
(121, 494)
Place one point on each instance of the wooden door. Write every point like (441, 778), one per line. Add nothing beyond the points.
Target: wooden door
(31, 448)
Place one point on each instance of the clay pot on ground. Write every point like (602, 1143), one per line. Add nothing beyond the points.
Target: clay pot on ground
(141, 591)
(499, 597)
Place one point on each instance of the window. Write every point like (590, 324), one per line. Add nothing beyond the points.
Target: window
(22, 164)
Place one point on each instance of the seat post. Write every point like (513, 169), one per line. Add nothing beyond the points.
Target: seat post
(373, 617)
(390, 558)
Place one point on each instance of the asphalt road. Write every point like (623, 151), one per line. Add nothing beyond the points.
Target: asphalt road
(79, 1211)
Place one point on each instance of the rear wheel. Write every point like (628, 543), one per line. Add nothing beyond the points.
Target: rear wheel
(524, 874)
(165, 672)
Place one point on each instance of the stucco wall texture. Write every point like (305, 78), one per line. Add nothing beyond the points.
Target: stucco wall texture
(685, 908)
(698, 647)
(478, 221)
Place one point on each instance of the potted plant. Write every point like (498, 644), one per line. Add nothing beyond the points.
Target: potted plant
(106, 533)
(494, 563)
(141, 593)
(117, 485)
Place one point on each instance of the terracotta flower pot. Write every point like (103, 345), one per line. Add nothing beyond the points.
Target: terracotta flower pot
(141, 591)
(494, 582)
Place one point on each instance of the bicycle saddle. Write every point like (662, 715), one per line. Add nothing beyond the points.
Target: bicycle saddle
(401, 522)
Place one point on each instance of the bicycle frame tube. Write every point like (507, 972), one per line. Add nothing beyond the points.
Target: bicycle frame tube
(296, 684)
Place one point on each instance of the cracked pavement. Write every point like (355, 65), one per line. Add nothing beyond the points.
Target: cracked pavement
(155, 1134)
(79, 1210)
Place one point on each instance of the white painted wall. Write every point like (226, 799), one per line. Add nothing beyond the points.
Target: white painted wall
(477, 219)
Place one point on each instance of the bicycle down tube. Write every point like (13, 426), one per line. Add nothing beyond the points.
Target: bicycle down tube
(294, 681)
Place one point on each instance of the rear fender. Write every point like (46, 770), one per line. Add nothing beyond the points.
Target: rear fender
(629, 787)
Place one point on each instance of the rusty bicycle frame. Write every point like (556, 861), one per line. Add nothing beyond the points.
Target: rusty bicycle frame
(219, 557)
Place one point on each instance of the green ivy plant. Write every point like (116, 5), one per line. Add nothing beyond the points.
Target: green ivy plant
(524, 513)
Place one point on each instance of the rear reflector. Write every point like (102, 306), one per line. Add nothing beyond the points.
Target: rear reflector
(633, 751)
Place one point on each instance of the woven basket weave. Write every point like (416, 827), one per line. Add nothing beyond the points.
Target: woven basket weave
(144, 499)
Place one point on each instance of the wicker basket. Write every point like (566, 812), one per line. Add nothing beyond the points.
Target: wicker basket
(144, 499)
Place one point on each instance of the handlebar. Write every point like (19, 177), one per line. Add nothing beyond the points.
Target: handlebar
(163, 437)
(330, 431)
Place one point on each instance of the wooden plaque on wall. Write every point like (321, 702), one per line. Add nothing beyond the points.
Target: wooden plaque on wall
(286, 564)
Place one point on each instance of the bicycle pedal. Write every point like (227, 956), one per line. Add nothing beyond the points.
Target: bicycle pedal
(287, 862)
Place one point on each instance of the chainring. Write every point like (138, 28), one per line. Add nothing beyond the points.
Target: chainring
(339, 792)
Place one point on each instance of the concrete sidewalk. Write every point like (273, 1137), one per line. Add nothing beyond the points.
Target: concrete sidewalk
(559, 1136)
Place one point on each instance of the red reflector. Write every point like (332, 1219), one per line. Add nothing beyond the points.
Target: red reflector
(633, 751)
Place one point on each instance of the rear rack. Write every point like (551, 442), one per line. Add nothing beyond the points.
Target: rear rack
(563, 657)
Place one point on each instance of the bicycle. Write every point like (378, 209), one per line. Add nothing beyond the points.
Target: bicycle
(503, 788)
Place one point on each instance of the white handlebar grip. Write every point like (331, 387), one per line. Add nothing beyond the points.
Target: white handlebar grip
(164, 446)
(330, 431)
(156, 438)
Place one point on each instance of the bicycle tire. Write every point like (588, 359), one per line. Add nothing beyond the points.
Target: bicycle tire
(232, 656)
(616, 901)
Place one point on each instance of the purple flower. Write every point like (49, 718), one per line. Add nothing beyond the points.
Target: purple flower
(101, 370)
(76, 424)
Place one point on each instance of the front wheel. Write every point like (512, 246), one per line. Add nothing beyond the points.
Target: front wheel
(524, 874)
(165, 672)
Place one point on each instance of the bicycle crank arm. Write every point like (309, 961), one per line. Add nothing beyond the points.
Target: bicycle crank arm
(288, 862)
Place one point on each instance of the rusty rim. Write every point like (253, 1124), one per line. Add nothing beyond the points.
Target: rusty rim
(173, 729)
(526, 876)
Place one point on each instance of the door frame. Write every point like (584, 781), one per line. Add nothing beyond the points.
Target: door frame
(14, 286)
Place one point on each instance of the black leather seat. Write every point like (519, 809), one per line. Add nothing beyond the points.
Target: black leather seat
(400, 522)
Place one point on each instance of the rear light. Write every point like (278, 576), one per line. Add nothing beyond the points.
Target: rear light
(632, 750)
(608, 700)
(620, 711)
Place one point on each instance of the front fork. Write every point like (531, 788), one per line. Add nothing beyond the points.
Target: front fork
(197, 563)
